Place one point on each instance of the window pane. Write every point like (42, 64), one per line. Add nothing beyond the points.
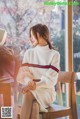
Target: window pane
(76, 51)
(57, 30)
(18, 17)
(76, 38)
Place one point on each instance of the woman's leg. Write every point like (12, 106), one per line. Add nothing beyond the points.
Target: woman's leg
(35, 110)
(27, 105)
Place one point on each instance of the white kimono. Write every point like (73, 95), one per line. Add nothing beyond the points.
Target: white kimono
(43, 63)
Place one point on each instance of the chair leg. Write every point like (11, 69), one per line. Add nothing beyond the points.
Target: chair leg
(44, 116)
(70, 117)
(74, 115)
(74, 112)
(73, 103)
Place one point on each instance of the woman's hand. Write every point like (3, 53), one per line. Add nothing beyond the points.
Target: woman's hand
(31, 86)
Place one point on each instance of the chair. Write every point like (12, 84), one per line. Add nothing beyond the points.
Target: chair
(57, 111)
(5, 90)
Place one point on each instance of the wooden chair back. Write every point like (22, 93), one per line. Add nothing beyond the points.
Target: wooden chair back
(66, 78)
(71, 111)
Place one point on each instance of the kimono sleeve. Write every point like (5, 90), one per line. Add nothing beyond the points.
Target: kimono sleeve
(49, 79)
(24, 70)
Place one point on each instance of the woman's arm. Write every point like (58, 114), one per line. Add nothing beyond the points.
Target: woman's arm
(24, 70)
(49, 79)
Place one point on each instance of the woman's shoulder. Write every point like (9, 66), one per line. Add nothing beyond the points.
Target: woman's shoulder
(29, 51)
(55, 52)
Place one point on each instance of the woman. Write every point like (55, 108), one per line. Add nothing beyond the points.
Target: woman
(40, 62)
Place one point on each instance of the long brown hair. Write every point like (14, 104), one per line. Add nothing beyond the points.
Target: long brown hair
(43, 32)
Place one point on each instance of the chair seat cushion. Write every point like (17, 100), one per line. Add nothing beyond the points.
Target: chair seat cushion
(55, 107)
